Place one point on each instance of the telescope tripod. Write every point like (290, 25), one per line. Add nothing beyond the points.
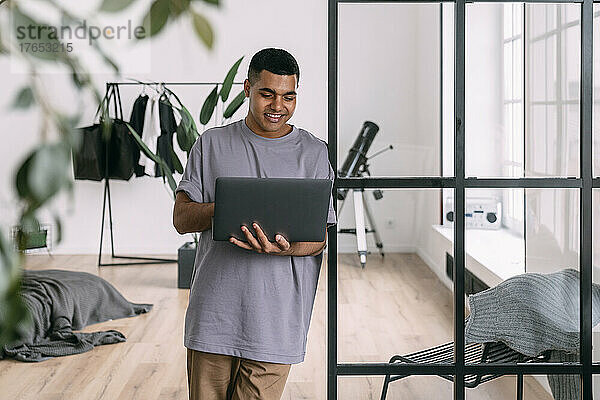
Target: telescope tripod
(362, 209)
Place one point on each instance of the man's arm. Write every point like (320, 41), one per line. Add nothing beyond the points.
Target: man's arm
(189, 216)
(306, 248)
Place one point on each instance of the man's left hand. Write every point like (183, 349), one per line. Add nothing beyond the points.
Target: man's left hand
(261, 243)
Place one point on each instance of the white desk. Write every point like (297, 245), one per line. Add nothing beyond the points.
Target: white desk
(491, 255)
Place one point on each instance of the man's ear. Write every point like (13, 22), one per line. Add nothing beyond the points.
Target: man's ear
(247, 87)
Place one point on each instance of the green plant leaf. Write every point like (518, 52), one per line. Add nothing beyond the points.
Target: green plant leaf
(147, 152)
(114, 5)
(228, 82)
(156, 18)
(42, 35)
(209, 106)
(59, 230)
(176, 162)
(15, 317)
(203, 29)
(182, 137)
(8, 266)
(49, 171)
(182, 134)
(235, 104)
(3, 49)
(21, 183)
(29, 223)
(107, 59)
(170, 180)
(179, 6)
(43, 173)
(166, 171)
(24, 98)
(192, 128)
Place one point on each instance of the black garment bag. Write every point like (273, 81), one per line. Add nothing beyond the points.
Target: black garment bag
(97, 158)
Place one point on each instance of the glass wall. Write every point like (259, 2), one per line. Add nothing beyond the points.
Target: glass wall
(522, 78)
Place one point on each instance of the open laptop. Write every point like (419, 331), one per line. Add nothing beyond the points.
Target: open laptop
(293, 207)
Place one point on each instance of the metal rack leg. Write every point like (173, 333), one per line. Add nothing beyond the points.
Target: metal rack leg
(110, 223)
(102, 227)
(519, 387)
(144, 260)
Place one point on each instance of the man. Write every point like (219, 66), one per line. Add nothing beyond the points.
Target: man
(250, 303)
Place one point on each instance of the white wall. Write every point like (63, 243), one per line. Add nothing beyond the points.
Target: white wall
(388, 74)
(142, 207)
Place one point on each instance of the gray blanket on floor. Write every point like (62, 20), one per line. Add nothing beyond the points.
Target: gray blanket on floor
(61, 302)
(533, 314)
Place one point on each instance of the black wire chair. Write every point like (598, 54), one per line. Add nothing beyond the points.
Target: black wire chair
(475, 353)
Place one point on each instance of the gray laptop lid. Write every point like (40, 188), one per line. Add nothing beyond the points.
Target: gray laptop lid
(293, 207)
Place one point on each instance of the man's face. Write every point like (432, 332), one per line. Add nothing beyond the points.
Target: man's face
(272, 101)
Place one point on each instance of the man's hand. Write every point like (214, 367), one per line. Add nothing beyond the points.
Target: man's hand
(261, 244)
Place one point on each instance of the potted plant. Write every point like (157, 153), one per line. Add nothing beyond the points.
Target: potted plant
(187, 134)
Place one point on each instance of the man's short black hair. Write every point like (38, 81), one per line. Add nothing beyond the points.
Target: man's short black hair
(277, 61)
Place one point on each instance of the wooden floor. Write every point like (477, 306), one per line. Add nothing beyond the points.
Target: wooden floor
(393, 306)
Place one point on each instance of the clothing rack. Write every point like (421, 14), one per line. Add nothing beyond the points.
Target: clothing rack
(143, 260)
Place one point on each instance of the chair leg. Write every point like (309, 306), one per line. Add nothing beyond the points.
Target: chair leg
(519, 387)
(386, 383)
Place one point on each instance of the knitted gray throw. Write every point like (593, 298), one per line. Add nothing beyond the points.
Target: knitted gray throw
(534, 313)
(62, 302)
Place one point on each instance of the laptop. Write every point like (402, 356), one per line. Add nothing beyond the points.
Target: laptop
(293, 207)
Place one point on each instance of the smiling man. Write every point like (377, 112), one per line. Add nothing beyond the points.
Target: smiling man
(250, 303)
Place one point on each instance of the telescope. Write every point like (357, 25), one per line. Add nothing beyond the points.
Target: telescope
(355, 164)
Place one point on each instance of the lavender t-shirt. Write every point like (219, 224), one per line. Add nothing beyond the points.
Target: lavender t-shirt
(242, 303)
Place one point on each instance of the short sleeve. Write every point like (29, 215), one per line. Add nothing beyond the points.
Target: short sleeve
(326, 171)
(191, 181)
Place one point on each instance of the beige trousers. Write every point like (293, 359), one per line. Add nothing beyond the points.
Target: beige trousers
(222, 377)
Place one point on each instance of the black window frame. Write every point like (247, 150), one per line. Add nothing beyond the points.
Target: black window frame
(585, 183)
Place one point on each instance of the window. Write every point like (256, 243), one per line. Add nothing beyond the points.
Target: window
(513, 159)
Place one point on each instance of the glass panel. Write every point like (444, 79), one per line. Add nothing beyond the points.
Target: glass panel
(508, 71)
(517, 67)
(402, 302)
(412, 387)
(596, 386)
(596, 272)
(539, 81)
(398, 91)
(552, 227)
(504, 387)
(596, 83)
(522, 245)
(507, 19)
(542, 20)
(448, 89)
(538, 135)
(485, 50)
(553, 66)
